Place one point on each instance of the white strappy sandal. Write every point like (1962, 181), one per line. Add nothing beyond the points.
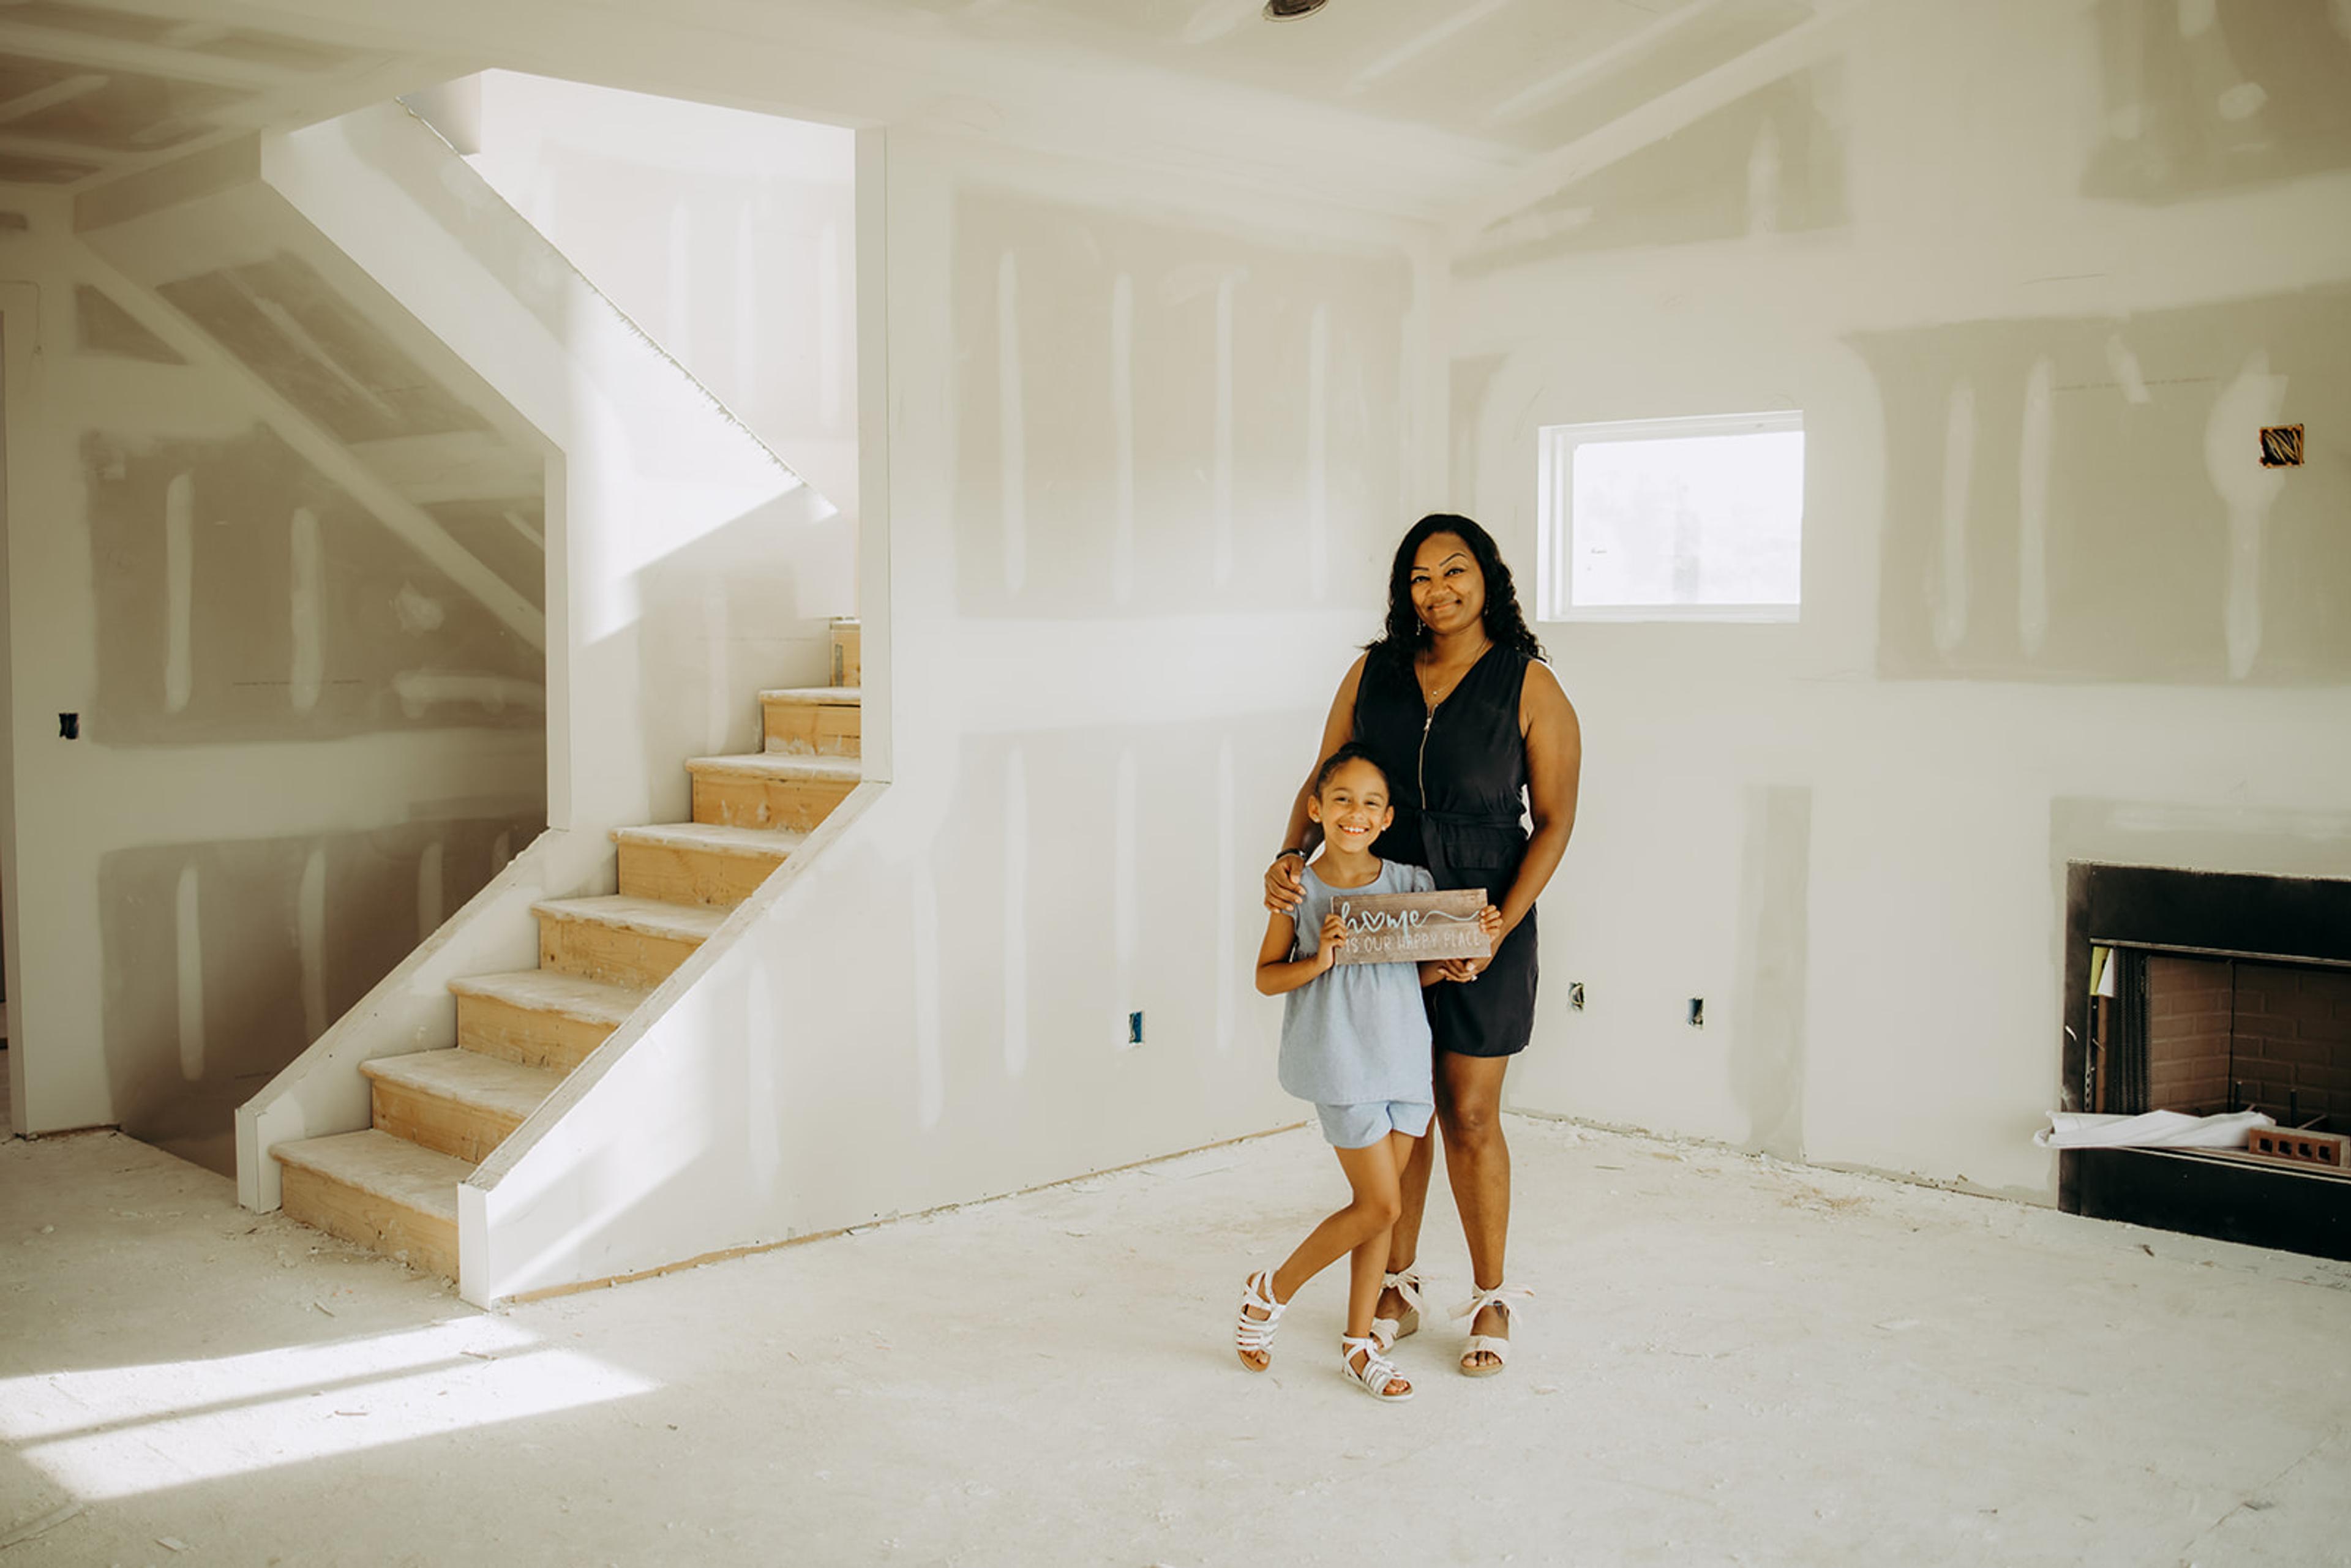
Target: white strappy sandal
(1378, 1375)
(1254, 1336)
(1406, 1283)
(1505, 1297)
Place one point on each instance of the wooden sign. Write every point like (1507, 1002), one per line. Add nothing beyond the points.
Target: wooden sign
(1410, 927)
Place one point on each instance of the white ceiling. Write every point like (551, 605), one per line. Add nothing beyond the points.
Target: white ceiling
(1527, 74)
(1468, 108)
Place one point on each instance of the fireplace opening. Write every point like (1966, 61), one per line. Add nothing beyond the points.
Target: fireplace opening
(2209, 993)
(2177, 1032)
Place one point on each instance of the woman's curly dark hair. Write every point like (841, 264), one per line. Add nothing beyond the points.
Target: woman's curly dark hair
(1404, 635)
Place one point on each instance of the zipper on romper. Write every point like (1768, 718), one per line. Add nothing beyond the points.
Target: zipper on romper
(1420, 769)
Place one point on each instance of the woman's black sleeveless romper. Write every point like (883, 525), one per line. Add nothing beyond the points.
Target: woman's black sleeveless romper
(1458, 778)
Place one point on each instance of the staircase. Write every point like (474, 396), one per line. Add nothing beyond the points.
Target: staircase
(438, 1115)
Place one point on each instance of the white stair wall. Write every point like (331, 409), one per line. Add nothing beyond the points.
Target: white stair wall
(688, 570)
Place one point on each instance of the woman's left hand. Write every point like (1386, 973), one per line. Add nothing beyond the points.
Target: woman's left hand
(1462, 970)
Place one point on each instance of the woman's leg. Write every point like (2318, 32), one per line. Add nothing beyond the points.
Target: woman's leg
(1371, 1176)
(1403, 1241)
(1478, 1166)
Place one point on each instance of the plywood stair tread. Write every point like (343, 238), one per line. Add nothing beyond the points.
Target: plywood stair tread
(645, 916)
(782, 766)
(506, 1088)
(385, 1167)
(550, 991)
(763, 843)
(821, 697)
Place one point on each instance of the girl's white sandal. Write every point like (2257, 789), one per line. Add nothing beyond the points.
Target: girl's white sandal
(1496, 1345)
(1378, 1375)
(1255, 1336)
(1386, 1332)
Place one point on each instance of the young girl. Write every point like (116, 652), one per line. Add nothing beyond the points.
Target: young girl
(1355, 1040)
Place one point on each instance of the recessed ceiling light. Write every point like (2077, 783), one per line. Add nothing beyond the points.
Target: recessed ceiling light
(1291, 10)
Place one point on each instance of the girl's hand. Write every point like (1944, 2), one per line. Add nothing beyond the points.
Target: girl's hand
(1489, 922)
(1285, 884)
(1335, 936)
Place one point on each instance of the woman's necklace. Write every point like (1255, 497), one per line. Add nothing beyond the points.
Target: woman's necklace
(1438, 691)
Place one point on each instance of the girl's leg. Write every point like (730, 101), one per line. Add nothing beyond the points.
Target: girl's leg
(1478, 1166)
(1371, 1176)
(1370, 1258)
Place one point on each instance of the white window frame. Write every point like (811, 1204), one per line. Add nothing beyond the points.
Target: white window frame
(1555, 537)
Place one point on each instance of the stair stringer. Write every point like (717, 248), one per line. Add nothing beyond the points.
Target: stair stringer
(322, 1090)
(665, 1145)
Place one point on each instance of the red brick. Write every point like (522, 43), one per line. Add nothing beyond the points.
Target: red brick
(2272, 1049)
(2334, 1030)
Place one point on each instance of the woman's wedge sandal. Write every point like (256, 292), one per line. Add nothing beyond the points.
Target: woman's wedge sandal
(1386, 1332)
(1254, 1336)
(1378, 1375)
(1496, 1345)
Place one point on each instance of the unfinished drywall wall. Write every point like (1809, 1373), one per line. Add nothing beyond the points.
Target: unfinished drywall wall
(2030, 419)
(296, 740)
(935, 1005)
(2083, 499)
(191, 540)
(1224, 413)
(730, 237)
(234, 955)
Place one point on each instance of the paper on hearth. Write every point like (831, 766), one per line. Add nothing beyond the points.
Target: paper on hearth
(2153, 1129)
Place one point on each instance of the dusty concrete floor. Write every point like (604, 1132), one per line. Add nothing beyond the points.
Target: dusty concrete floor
(1728, 1362)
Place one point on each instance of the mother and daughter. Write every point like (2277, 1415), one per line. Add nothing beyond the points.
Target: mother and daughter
(1450, 760)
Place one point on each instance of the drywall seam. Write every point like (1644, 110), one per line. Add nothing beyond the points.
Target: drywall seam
(330, 456)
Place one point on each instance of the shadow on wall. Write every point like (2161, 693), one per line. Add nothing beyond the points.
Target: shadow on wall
(1148, 426)
(2218, 94)
(2083, 499)
(243, 952)
(1770, 163)
(742, 608)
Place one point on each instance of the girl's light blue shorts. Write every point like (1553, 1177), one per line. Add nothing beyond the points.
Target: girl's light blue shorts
(1361, 1125)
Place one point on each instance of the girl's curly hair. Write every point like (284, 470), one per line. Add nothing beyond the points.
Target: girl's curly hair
(1404, 635)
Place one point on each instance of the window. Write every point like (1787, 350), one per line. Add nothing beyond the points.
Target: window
(1673, 519)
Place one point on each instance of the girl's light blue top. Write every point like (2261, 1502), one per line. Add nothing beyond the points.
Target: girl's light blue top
(1357, 1032)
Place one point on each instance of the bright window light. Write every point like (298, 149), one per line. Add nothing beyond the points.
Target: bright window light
(1673, 519)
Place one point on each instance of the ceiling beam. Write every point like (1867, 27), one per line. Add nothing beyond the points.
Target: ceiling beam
(63, 152)
(1653, 121)
(71, 48)
(1544, 91)
(49, 97)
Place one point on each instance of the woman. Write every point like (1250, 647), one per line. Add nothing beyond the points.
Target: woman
(1455, 704)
